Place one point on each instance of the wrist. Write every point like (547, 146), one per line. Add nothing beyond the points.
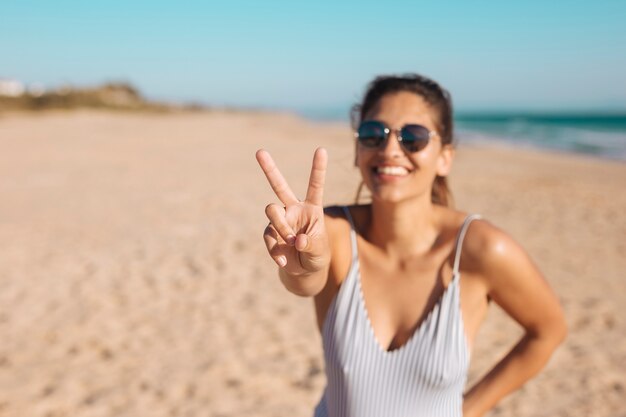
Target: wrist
(305, 284)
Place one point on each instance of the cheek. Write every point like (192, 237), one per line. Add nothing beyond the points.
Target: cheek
(428, 157)
(424, 160)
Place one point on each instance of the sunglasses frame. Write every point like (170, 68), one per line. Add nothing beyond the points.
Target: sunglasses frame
(387, 131)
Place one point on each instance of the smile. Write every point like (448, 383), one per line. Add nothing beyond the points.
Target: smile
(392, 170)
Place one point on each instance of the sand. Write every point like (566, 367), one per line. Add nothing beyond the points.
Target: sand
(134, 280)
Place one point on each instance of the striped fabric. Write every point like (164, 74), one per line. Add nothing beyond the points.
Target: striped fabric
(425, 377)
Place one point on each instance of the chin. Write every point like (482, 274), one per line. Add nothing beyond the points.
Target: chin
(390, 196)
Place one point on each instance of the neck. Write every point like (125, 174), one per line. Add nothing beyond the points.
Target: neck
(403, 229)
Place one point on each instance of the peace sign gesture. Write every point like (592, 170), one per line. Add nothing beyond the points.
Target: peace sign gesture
(296, 237)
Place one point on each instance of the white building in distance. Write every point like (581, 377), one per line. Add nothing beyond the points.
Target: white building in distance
(11, 88)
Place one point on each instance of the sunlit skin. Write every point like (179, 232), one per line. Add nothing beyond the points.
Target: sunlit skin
(406, 252)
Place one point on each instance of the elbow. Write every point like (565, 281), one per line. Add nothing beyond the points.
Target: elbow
(552, 333)
(556, 334)
(559, 328)
(562, 332)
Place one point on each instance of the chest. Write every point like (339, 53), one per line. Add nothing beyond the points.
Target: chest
(397, 301)
(431, 353)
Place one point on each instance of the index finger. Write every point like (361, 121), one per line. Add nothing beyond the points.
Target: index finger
(315, 191)
(275, 178)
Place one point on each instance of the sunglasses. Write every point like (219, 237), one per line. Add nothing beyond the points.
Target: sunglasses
(413, 137)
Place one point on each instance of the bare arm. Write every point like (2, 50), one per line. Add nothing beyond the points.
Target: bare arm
(296, 236)
(519, 288)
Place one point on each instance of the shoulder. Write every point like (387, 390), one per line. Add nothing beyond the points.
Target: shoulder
(337, 224)
(338, 228)
(335, 216)
(493, 253)
(513, 280)
(333, 212)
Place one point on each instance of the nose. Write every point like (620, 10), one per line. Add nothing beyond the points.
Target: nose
(392, 147)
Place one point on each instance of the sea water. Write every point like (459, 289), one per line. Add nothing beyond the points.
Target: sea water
(601, 134)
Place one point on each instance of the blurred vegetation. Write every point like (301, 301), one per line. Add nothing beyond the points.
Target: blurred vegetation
(110, 96)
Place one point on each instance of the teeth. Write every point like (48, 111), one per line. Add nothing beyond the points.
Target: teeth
(400, 171)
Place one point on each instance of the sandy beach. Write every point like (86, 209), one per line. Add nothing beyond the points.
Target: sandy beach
(134, 280)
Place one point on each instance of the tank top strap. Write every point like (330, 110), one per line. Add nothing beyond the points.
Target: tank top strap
(459, 241)
(352, 233)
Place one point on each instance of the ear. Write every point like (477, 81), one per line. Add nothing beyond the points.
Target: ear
(444, 160)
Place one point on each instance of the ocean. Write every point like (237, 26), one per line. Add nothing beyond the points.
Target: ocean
(601, 134)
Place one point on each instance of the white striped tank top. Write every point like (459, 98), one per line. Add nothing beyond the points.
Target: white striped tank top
(425, 377)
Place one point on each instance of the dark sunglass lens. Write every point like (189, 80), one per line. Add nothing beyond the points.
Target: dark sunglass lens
(371, 134)
(415, 137)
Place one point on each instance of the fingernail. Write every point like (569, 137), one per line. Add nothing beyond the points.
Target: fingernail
(282, 261)
(291, 240)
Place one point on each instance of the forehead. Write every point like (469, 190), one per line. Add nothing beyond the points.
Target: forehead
(403, 107)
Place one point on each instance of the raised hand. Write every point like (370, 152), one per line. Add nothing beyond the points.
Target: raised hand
(296, 236)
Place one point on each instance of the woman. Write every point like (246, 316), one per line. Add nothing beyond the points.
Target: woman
(402, 285)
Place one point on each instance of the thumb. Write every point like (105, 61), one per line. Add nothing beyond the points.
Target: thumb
(313, 246)
(303, 243)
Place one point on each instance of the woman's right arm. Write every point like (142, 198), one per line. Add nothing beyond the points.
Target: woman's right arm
(296, 237)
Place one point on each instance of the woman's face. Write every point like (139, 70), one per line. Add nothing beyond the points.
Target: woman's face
(419, 169)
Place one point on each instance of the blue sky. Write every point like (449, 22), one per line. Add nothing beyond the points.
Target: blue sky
(316, 55)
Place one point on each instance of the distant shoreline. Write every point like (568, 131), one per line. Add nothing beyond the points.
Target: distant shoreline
(109, 96)
(595, 134)
(599, 134)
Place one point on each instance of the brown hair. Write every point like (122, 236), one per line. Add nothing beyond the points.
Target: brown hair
(435, 95)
